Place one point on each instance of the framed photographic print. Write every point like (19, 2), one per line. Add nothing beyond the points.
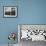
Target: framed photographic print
(10, 11)
(33, 32)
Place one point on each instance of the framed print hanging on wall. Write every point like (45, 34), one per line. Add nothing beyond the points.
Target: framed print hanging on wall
(10, 11)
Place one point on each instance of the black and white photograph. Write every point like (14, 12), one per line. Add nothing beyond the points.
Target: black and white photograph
(29, 34)
(10, 11)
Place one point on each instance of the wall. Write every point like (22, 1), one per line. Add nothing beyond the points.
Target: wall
(29, 12)
(32, 11)
(7, 25)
